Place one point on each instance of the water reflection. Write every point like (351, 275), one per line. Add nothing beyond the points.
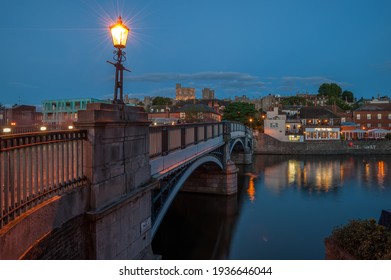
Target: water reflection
(284, 208)
(197, 226)
(251, 190)
(311, 175)
(323, 174)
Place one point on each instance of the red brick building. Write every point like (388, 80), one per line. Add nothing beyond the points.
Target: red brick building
(371, 116)
(21, 119)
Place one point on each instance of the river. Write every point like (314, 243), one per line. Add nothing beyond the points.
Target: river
(284, 209)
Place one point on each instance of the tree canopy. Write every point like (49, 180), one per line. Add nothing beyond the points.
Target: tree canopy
(295, 100)
(240, 112)
(159, 100)
(330, 90)
(335, 95)
(347, 96)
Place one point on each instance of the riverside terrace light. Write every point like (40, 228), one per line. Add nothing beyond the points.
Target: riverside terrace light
(119, 33)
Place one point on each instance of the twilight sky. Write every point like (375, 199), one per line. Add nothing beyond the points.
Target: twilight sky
(54, 49)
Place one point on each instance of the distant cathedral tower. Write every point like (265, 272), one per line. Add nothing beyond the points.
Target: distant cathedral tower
(184, 93)
(208, 94)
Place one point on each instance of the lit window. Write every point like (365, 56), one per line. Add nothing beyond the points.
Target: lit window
(368, 125)
(389, 116)
(379, 116)
(358, 116)
(368, 116)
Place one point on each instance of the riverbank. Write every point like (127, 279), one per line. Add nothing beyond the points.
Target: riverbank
(266, 144)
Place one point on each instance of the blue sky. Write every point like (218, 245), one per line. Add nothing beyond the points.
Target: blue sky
(58, 49)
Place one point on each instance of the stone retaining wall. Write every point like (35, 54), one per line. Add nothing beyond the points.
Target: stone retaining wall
(266, 144)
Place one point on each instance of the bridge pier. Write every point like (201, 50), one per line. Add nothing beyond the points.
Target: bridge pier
(242, 157)
(212, 180)
(117, 163)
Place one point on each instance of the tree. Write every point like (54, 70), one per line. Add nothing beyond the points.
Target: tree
(1, 106)
(347, 96)
(240, 112)
(293, 100)
(330, 90)
(158, 100)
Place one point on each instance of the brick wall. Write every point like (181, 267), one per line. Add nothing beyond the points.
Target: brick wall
(69, 242)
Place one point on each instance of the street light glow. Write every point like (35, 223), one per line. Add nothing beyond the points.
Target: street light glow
(119, 34)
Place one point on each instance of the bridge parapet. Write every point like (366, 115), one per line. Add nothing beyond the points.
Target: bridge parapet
(34, 167)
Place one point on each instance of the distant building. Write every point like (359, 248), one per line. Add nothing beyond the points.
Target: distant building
(59, 114)
(159, 111)
(274, 124)
(130, 100)
(371, 116)
(20, 119)
(2, 116)
(208, 94)
(380, 100)
(196, 113)
(242, 98)
(313, 99)
(319, 123)
(184, 93)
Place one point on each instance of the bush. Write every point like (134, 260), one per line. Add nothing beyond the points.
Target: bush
(364, 239)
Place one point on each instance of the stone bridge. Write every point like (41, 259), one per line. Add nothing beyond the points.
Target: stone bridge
(101, 191)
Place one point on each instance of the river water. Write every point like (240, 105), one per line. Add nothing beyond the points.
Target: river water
(285, 207)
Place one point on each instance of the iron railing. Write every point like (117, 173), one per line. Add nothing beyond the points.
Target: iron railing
(34, 167)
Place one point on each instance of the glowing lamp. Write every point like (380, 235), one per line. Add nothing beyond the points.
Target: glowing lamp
(6, 130)
(119, 34)
(43, 128)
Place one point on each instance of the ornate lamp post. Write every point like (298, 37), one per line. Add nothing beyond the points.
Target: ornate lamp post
(119, 33)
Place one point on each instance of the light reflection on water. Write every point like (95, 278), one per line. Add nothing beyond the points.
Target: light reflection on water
(285, 207)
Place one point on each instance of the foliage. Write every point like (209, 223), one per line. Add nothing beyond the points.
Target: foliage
(158, 100)
(347, 96)
(364, 239)
(341, 104)
(193, 117)
(335, 96)
(330, 90)
(240, 112)
(1, 106)
(294, 100)
(388, 136)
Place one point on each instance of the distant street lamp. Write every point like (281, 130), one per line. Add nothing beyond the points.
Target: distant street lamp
(251, 123)
(119, 33)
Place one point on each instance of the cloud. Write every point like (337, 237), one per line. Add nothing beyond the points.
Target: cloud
(200, 76)
(225, 84)
(297, 83)
(385, 66)
(23, 85)
(222, 82)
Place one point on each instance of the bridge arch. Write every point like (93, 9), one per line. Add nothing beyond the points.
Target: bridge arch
(237, 142)
(187, 173)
